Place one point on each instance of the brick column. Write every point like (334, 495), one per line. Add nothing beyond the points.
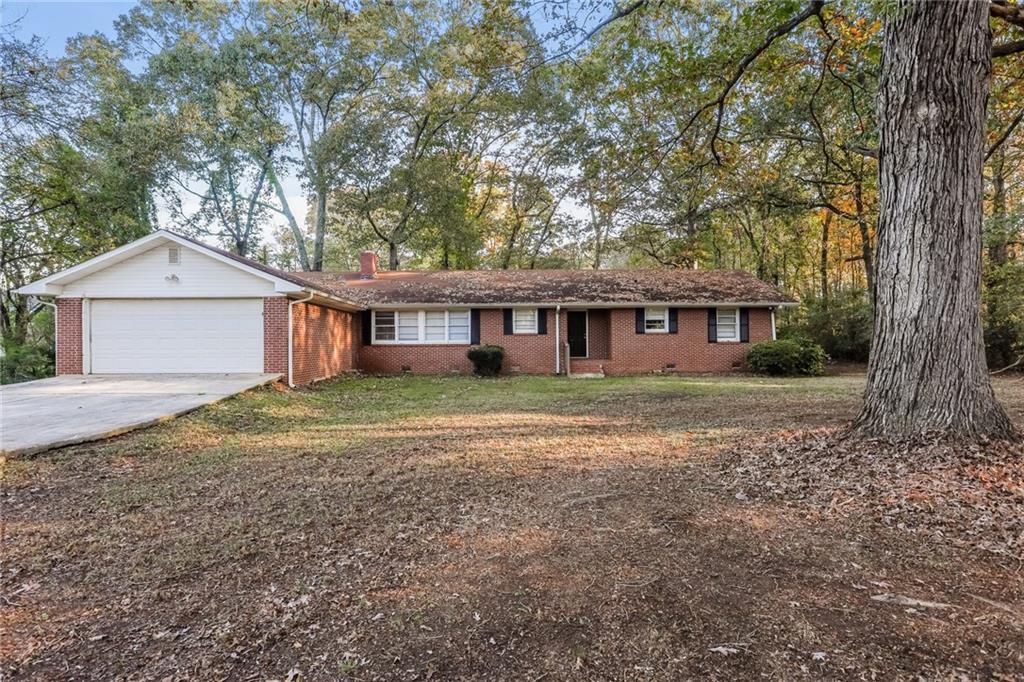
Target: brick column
(69, 335)
(275, 335)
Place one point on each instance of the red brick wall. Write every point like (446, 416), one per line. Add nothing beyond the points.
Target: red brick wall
(526, 353)
(627, 351)
(275, 335)
(69, 336)
(633, 353)
(324, 342)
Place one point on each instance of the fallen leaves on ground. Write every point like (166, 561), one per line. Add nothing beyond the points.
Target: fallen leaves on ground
(968, 495)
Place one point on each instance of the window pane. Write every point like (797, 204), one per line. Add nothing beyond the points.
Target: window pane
(435, 325)
(458, 325)
(385, 326)
(408, 326)
(525, 321)
(655, 319)
(727, 324)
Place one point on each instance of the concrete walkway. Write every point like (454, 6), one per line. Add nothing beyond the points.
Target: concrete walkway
(49, 413)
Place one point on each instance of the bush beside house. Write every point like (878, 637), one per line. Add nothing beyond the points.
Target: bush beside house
(787, 357)
(486, 359)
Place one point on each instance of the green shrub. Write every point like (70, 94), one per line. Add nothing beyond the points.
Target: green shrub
(787, 357)
(1004, 314)
(29, 355)
(26, 361)
(841, 325)
(486, 359)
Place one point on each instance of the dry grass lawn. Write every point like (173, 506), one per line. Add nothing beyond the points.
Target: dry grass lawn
(451, 528)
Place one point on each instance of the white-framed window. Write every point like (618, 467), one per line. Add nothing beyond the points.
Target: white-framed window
(384, 325)
(656, 320)
(524, 321)
(409, 326)
(728, 324)
(458, 326)
(173, 255)
(435, 326)
(421, 326)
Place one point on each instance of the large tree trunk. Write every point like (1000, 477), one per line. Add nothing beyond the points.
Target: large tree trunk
(927, 371)
(393, 255)
(286, 211)
(320, 228)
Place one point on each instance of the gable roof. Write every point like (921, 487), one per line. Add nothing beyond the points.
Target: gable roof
(550, 287)
(284, 282)
(493, 288)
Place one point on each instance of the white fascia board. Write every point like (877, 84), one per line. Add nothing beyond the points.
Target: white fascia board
(323, 299)
(39, 288)
(576, 304)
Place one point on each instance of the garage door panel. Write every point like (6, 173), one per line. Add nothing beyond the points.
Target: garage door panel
(176, 336)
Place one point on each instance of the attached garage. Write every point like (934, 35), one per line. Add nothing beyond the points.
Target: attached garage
(166, 304)
(179, 336)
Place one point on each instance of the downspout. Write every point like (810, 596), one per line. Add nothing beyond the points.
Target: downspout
(558, 342)
(291, 352)
(773, 324)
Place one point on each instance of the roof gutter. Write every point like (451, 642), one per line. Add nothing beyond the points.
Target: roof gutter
(291, 351)
(578, 304)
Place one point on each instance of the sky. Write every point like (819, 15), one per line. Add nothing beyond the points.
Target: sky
(55, 22)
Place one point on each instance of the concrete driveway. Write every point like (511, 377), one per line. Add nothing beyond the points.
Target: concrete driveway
(49, 413)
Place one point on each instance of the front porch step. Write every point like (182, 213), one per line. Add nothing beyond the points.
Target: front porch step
(587, 369)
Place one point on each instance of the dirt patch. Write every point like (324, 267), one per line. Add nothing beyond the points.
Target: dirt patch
(417, 528)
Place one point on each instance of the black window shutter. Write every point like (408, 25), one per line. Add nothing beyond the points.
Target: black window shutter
(474, 326)
(712, 325)
(367, 327)
(640, 319)
(508, 321)
(542, 320)
(745, 325)
(673, 320)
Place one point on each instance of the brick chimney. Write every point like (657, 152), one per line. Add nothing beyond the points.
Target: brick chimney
(367, 265)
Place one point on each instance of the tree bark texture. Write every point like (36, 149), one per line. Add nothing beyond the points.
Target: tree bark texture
(320, 228)
(927, 371)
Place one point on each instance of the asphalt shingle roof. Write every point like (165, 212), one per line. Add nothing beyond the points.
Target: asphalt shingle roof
(547, 287)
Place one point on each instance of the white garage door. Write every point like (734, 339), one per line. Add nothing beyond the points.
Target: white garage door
(176, 336)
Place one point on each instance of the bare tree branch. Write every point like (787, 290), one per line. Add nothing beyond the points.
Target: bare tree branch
(1011, 14)
(812, 10)
(1006, 49)
(1006, 134)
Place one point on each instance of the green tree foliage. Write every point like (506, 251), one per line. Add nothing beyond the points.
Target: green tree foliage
(470, 133)
(840, 324)
(80, 158)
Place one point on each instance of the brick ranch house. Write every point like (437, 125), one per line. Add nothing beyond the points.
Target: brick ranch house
(168, 304)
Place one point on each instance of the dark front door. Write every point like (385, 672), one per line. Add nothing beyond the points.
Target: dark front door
(577, 320)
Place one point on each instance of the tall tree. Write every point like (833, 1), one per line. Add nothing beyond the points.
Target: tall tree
(927, 370)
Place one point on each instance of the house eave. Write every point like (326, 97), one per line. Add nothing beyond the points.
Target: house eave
(582, 304)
